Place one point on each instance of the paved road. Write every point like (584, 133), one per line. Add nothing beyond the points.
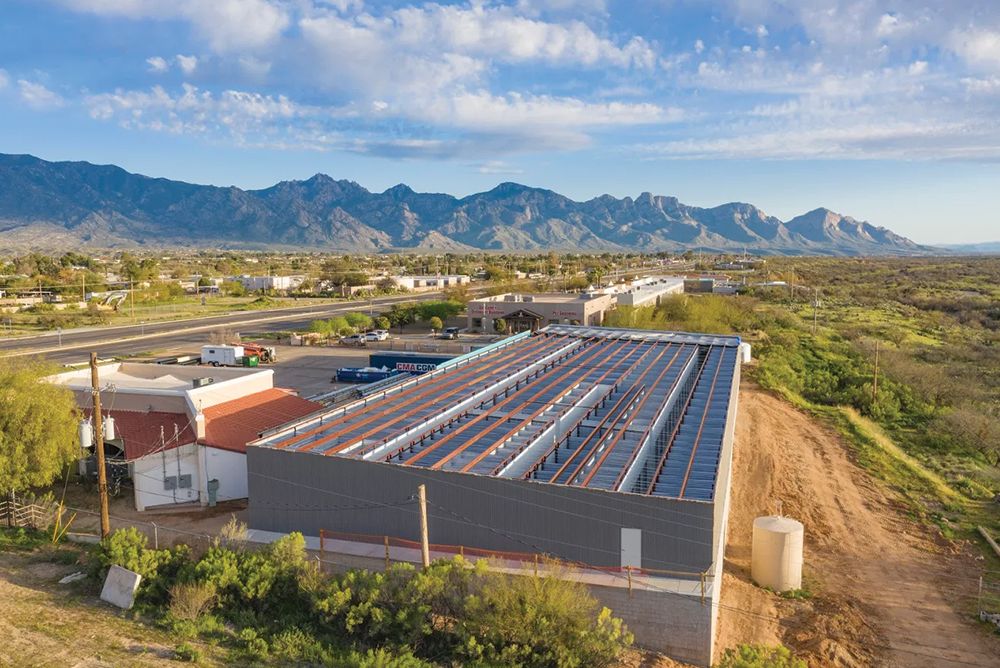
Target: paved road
(133, 339)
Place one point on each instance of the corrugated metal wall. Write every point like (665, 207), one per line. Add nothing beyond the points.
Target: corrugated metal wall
(299, 491)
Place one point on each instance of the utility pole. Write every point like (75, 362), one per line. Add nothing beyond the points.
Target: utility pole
(875, 374)
(83, 287)
(425, 548)
(102, 476)
(815, 308)
(131, 299)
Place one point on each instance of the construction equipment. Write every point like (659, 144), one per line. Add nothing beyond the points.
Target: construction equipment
(266, 354)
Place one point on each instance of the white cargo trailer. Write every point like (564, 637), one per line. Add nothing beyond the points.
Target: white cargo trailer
(222, 355)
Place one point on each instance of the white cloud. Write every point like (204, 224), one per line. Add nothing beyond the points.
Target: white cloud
(887, 24)
(157, 64)
(457, 42)
(188, 64)
(498, 167)
(699, 46)
(575, 7)
(228, 25)
(865, 140)
(484, 111)
(37, 96)
(192, 111)
(4, 79)
(761, 31)
(917, 67)
(980, 47)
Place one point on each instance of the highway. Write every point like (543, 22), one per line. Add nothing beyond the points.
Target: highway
(122, 341)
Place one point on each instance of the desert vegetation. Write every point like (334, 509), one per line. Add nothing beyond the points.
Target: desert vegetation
(274, 606)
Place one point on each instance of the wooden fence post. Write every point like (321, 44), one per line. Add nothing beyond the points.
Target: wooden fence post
(628, 569)
(322, 543)
(386, 541)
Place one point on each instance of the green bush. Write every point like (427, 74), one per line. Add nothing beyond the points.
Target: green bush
(759, 656)
(359, 320)
(473, 615)
(20, 538)
(546, 620)
(159, 569)
(282, 610)
(187, 653)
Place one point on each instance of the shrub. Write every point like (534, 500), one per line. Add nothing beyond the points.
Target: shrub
(188, 601)
(159, 568)
(473, 616)
(254, 647)
(20, 538)
(187, 653)
(545, 620)
(759, 656)
(435, 323)
(359, 320)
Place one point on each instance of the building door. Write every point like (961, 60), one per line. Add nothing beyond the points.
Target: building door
(631, 547)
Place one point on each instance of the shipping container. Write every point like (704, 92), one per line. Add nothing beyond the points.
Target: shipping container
(409, 362)
(363, 375)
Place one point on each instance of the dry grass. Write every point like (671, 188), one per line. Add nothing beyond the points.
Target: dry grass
(189, 601)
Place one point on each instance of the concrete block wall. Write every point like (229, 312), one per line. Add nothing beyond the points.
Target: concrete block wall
(672, 624)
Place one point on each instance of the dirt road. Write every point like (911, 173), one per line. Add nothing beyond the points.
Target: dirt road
(885, 591)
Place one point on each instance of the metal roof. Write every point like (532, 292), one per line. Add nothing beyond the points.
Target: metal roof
(622, 410)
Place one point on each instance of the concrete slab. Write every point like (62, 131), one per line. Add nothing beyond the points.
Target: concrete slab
(120, 587)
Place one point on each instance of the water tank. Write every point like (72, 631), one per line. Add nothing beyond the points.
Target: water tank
(744, 353)
(109, 428)
(776, 560)
(86, 433)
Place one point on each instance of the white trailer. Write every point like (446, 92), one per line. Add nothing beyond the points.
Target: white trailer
(222, 355)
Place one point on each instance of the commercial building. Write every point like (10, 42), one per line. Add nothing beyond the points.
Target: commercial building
(699, 284)
(530, 312)
(429, 282)
(279, 283)
(177, 428)
(649, 292)
(605, 447)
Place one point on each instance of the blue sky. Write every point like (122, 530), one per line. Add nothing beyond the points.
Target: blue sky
(886, 111)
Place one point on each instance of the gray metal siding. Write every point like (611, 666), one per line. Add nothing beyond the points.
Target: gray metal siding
(299, 491)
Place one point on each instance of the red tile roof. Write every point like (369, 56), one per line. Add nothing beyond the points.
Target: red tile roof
(141, 431)
(233, 424)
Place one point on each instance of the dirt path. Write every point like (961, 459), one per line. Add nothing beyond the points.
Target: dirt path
(43, 623)
(885, 591)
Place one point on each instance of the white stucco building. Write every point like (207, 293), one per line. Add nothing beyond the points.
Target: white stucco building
(183, 430)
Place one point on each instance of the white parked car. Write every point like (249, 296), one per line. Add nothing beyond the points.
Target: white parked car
(353, 340)
(377, 335)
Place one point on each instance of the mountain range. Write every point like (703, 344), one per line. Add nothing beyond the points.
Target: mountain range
(51, 205)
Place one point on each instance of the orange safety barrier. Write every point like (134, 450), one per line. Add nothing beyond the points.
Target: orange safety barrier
(524, 557)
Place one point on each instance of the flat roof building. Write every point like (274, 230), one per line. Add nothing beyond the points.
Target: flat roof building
(523, 312)
(429, 282)
(176, 428)
(601, 446)
(651, 292)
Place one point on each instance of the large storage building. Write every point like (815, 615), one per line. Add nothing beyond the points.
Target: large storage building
(529, 312)
(606, 447)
